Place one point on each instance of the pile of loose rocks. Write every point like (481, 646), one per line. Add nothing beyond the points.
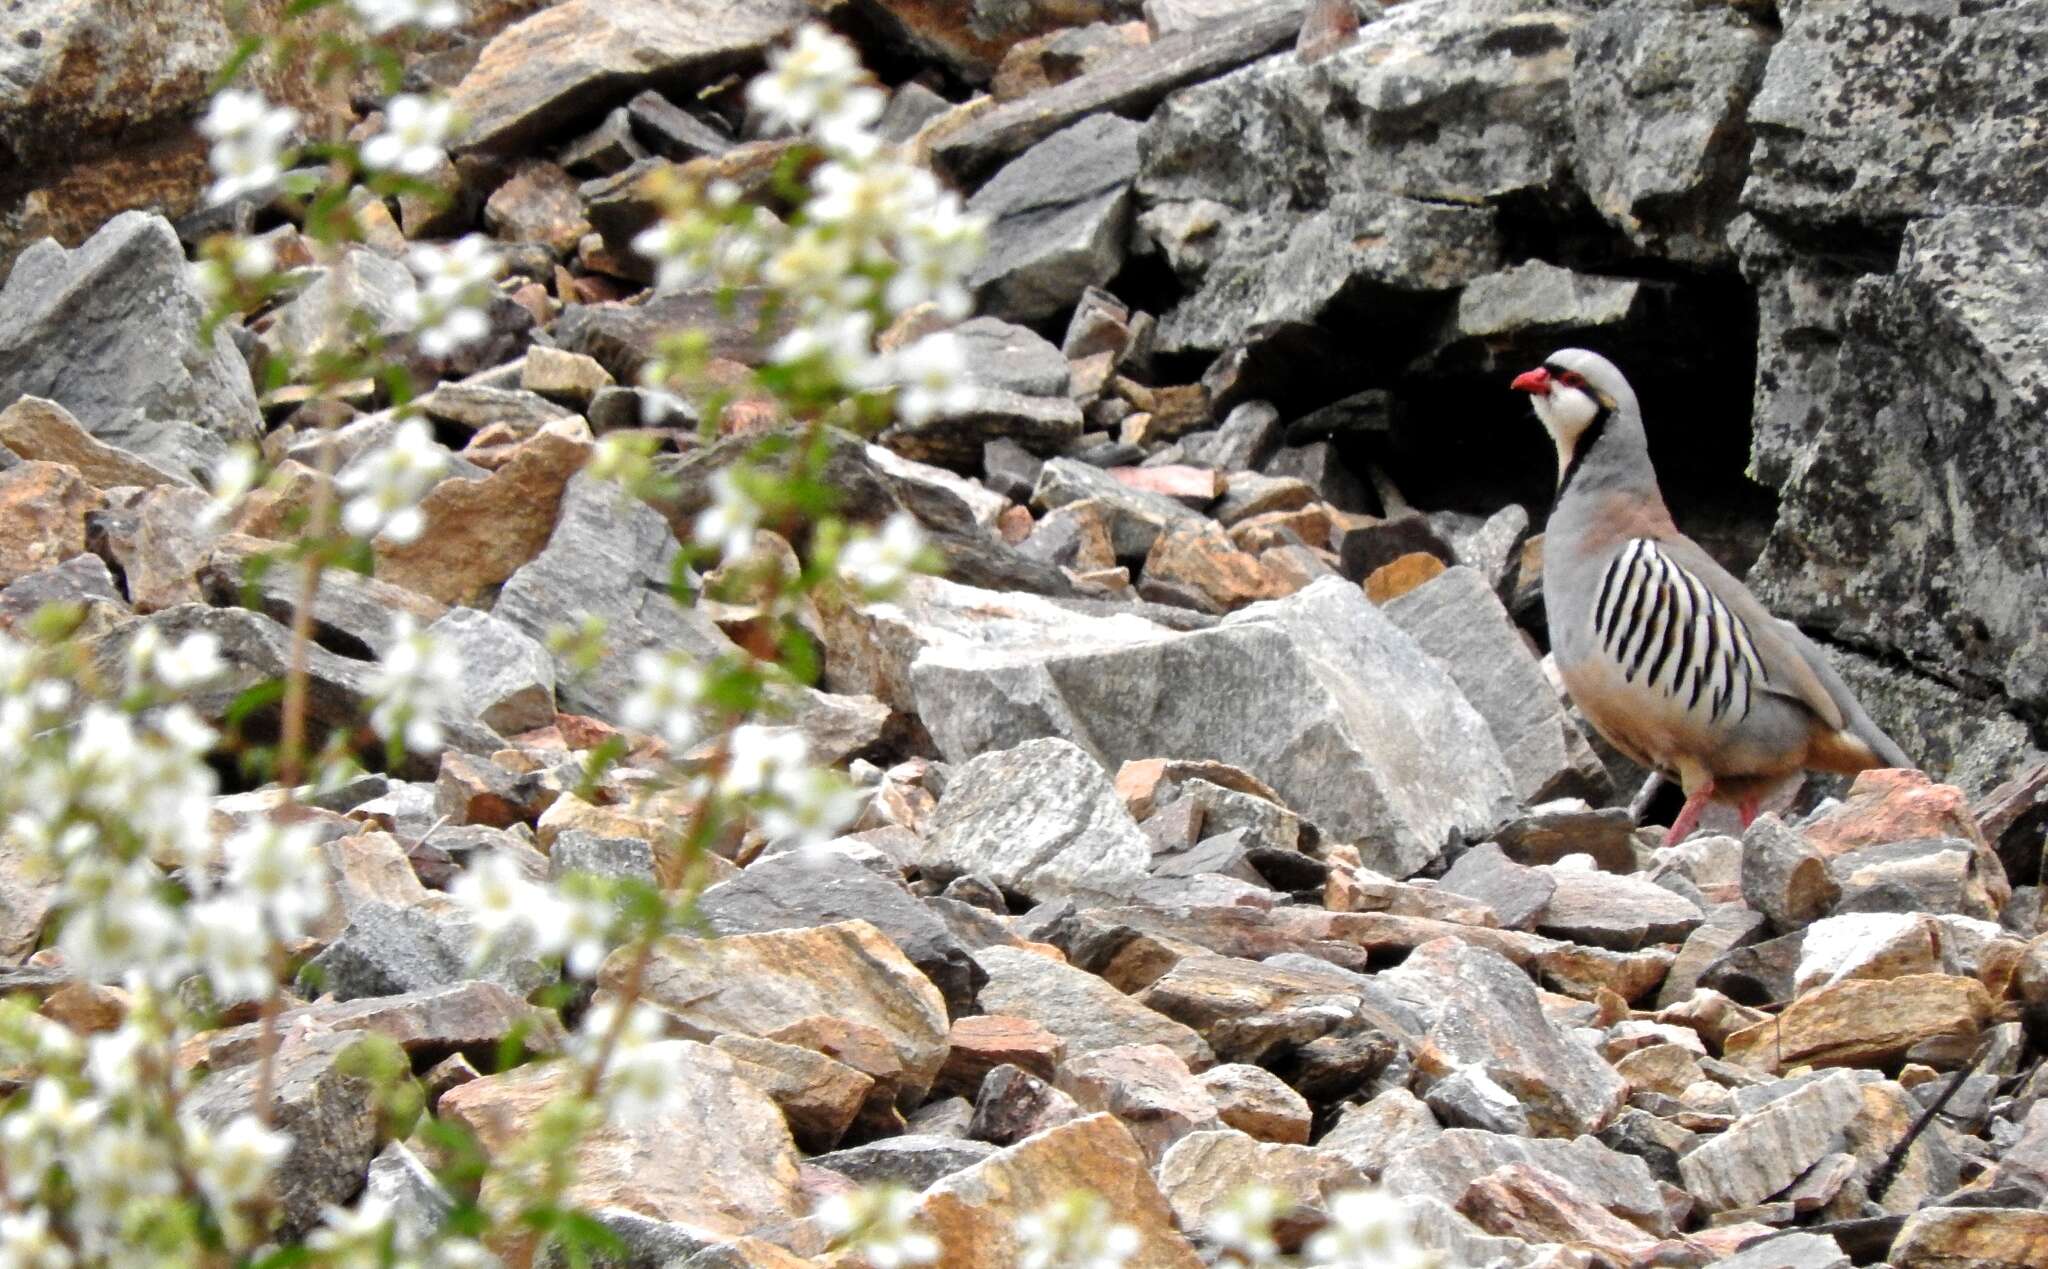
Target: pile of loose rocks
(1224, 821)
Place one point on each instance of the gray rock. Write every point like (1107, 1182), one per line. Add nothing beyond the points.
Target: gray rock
(1013, 1104)
(110, 331)
(1934, 874)
(797, 890)
(576, 59)
(1784, 877)
(362, 290)
(409, 1189)
(82, 580)
(1058, 216)
(1491, 546)
(1501, 314)
(642, 1242)
(935, 495)
(913, 1160)
(1486, 1013)
(349, 609)
(1793, 1249)
(1442, 1166)
(1517, 894)
(579, 850)
(1248, 437)
(1964, 740)
(1725, 929)
(1614, 910)
(1318, 464)
(673, 132)
(1372, 1136)
(1470, 1098)
(388, 951)
(1872, 116)
(1554, 830)
(1762, 1152)
(1378, 745)
(1659, 94)
(475, 406)
(1081, 1009)
(1125, 86)
(1458, 617)
(1370, 411)
(1912, 530)
(508, 677)
(1136, 516)
(1004, 355)
(911, 106)
(1042, 818)
(1017, 389)
(1009, 469)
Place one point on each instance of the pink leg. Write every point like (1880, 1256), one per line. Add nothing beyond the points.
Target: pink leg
(1749, 810)
(1689, 814)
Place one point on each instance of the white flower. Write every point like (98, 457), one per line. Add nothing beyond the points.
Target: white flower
(416, 131)
(241, 260)
(125, 929)
(389, 482)
(728, 524)
(26, 1242)
(447, 312)
(248, 136)
(194, 660)
(233, 477)
(1368, 1229)
(1244, 1223)
(415, 684)
(388, 15)
(1075, 1233)
(510, 912)
(843, 345)
(817, 83)
(812, 808)
(639, 1078)
(763, 760)
(938, 246)
(237, 1162)
(230, 945)
(668, 687)
(878, 563)
(278, 868)
(880, 1224)
(931, 378)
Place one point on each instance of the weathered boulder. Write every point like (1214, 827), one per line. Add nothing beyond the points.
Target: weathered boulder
(1058, 217)
(111, 332)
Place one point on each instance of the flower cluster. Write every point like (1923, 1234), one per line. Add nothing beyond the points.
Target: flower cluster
(515, 916)
(416, 133)
(386, 484)
(447, 312)
(1078, 1232)
(249, 137)
(417, 684)
(381, 16)
(880, 1224)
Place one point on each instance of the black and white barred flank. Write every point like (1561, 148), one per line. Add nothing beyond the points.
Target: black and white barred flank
(1657, 620)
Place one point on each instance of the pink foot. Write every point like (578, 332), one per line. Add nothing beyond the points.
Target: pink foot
(1689, 814)
(1748, 810)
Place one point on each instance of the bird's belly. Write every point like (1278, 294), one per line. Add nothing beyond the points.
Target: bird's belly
(1652, 727)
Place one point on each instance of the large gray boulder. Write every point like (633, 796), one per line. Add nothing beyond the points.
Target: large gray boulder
(1913, 471)
(1319, 694)
(110, 330)
(1058, 215)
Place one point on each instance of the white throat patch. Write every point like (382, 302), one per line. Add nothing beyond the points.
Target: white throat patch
(1565, 413)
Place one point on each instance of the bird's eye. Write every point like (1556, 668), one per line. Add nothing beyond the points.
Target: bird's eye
(1572, 379)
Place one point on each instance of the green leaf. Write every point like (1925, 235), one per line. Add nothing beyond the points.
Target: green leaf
(262, 696)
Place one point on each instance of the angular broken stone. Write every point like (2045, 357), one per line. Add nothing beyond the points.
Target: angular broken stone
(974, 1213)
(715, 1155)
(1085, 1012)
(1444, 1165)
(563, 61)
(1987, 1237)
(1460, 621)
(43, 431)
(1863, 1022)
(1613, 910)
(509, 677)
(1014, 1104)
(1516, 893)
(1783, 877)
(1487, 1013)
(819, 1097)
(1526, 1202)
(1250, 1011)
(758, 984)
(1058, 215)
(1043, 819)
(1257, 1103)
(1763, 1152)
(1203, 1173)
(1148, 1086)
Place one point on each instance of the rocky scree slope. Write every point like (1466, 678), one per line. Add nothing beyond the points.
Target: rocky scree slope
(1225, 822)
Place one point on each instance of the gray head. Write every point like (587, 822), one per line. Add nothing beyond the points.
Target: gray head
(1572, 391)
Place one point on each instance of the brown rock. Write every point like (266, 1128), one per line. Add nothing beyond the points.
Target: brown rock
(87, 1008)
(979, 1044)
(1045, 60)
(1972, 1238)
(43, 431)
(1257, 1103)
(1900, 806)
(562, 375)
(1014, 524)
(757, 984)
(974, 1212)
(538, 203)
(1200, 563)
(42, 517)
(1195, 487)
(1393, 580)
(1862, 1022)
(1013, 1104)
(1204, 1172)
(473, 790)
(479, 532)
(1084, 1011)
(859, 1047)
(1527, 1202)
(1147, 1086)
(820, 1097)
(573, 59)
(1311, 525)
(717, 1156)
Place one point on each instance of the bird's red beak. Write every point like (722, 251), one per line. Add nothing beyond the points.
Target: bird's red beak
(1535, 381)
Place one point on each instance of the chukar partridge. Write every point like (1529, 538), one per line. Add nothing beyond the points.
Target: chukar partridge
(1664, 651)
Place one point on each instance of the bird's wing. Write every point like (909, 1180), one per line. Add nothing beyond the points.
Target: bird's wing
(1786, 670)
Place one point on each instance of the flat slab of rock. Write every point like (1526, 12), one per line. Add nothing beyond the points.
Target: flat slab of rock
(1977, 1237)
(759, 984)
(579, 58)
(1614, 910)
(1444, 1165)
(43, 431)
(974, 1213)
(1043, 819)
(1082, 1010)
(1762, 1153)
(716, 1156)
(1058, 217)
(1864, 1022)
(1319, 695)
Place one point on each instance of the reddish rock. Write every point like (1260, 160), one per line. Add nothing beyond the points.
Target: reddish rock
(1196, 487)
(42, 517)
(1199, 563)
(1014, 524)
(1393, 580)
(983, 1042)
